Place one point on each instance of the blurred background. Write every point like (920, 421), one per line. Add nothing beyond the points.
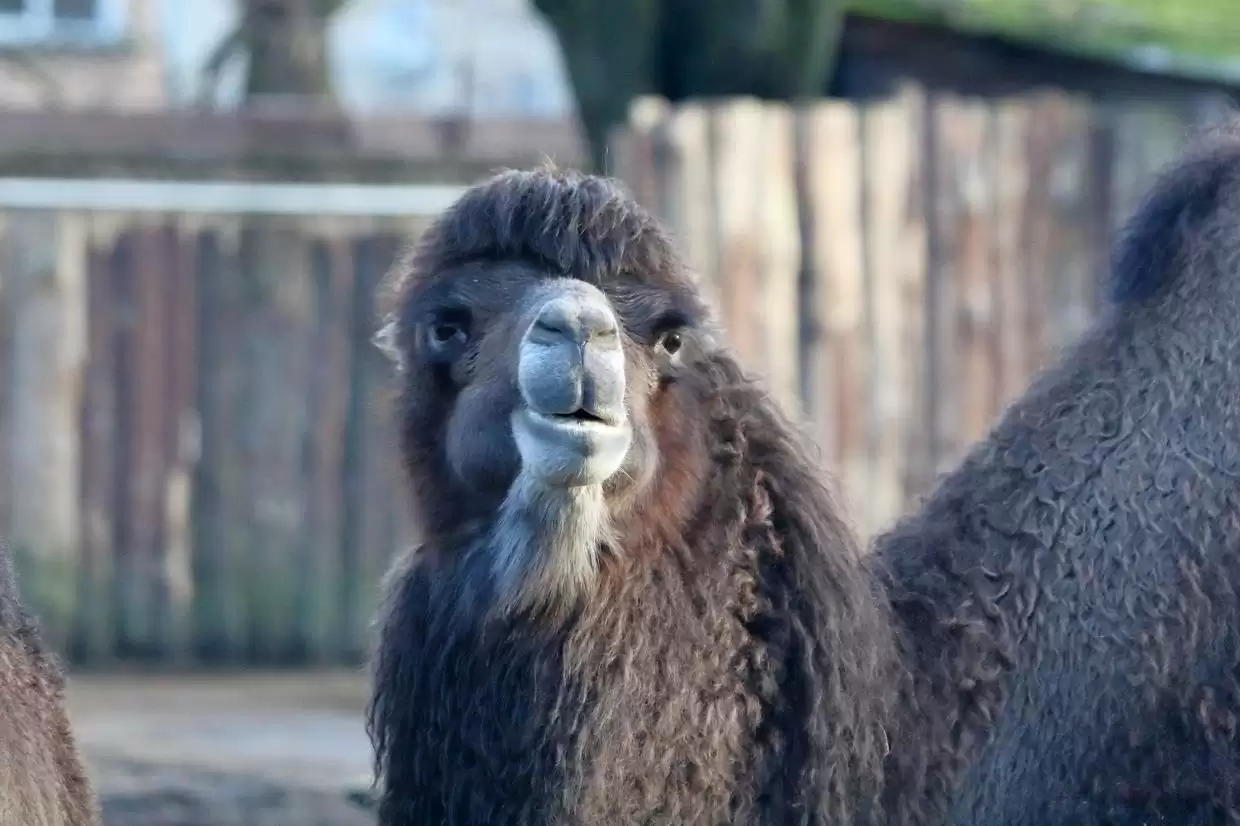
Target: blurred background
(901, 208)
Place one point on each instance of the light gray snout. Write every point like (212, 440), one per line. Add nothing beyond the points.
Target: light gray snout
(571, 358)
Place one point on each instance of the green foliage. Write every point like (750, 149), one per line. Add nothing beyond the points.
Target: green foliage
(1191, 37)
(779, 50)
(616, 50)
(608, 48)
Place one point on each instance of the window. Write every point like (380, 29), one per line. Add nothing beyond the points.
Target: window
(71, 22)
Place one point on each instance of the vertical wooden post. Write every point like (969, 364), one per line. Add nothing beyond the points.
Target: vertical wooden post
(221, 567)
(688, 130)
(968, 200)
(838, 361)
(181, 441)
(895, 275)
(738, 201)
(778, 233)
(318, 608)
(1073, 275)
(758, 243)
(95, 637)
(371, 452)
(279, 319)
(46, 269)
(1011, 186)
(141, 281)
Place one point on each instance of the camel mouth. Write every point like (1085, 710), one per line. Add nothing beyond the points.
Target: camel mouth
(583, 416)
(571, 449)
(587, 431)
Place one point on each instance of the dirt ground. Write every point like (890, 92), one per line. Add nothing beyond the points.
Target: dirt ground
(239, 750)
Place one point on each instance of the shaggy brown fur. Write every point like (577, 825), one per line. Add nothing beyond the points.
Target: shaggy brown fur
(686, 682)
(42, 782)
(1052, 639)
(1096, 532)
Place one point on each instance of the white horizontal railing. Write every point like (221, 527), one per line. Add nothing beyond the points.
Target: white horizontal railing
(227, 197)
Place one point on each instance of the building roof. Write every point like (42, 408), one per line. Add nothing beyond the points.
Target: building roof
(1197, 39)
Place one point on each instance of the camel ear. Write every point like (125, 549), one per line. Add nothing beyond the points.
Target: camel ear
(387, 340)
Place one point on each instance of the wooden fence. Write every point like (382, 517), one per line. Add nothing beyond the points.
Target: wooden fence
(898, 271)
(198, 465)
(196, 460)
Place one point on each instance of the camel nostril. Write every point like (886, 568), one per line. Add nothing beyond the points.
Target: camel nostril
(551, 327)
(605, 334)
(576, 319)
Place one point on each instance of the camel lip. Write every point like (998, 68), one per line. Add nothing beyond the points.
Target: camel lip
(564, 451)
(577, 426)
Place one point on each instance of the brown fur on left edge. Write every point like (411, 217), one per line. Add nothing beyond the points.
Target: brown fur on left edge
(42, 780)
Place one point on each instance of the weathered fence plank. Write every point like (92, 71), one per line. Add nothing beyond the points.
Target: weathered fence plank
(693, 221)
(369, 494)
(280, 318)
(141, 283)
(839, 359)
(912, 285)
(94, 636)
(968, 142)
(318, 608)
(779, 236)
(180, 443)
(737, 205)
(1074, 278)
(894, 259)
(47, 303)
(221, 570)
(1013, 365)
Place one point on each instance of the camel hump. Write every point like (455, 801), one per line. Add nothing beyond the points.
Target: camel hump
(1155, 247)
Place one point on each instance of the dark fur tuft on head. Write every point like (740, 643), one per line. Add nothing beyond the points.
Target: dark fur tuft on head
(573, 224)
(583, 226)
(1152, 250)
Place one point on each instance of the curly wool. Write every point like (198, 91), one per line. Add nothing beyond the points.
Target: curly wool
(1097, 532)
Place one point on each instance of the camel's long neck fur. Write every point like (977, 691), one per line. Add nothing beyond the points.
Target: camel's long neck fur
(826, 610)
(544, 544)
(741, 672)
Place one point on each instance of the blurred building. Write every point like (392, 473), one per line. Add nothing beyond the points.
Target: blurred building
(82, 53)
(487, 58)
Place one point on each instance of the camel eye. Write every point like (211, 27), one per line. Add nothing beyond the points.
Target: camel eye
(448, 333)
(670, 342)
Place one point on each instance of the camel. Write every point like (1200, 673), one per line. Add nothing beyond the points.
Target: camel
(637, 600)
